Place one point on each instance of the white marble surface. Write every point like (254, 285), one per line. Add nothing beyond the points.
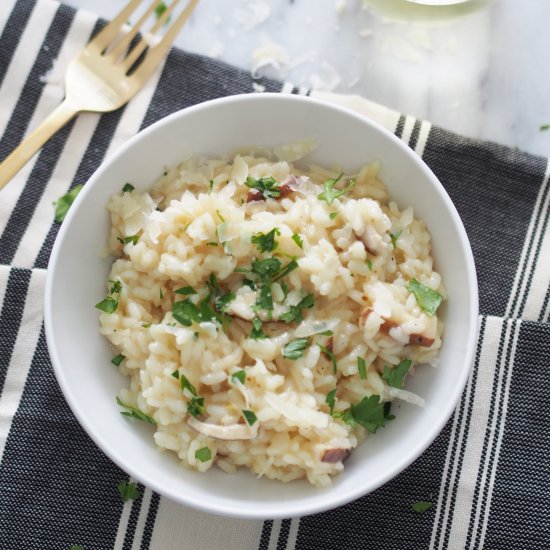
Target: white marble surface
(485, 75)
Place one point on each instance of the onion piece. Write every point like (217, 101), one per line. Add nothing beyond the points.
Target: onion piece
(296, 414)
(407, 396)
(235, 432)
(309, 328)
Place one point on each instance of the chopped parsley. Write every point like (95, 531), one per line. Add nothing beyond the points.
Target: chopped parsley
(134, 412)
(184, 383)
(268, 187)
(257, 333)
(330, 194)
(117, 359)
(294, 314)
(266, 268)
(212, 243)
(160, 9)
(295, 349)
(185, 291)
(161, 295)
(128, 188)
(250, 417)
(290, 266)
(298, 240)
(107, 305)
(395, 376)
(63, 204)
(132, 239)
(204, 454)
(116, 287)
(128, 491)
(370, 413)
(221, 302)
(210, 186)
(220, 216)
(421, 506)
(266, 242)
(333, 215)
(362, 368)
(331, 356)
(240, 375)
(195, 407)
(544, 127)
(145, 325)
(330, 400)
(265, 299)
(369, 264)
(394, 237)
(429, 300)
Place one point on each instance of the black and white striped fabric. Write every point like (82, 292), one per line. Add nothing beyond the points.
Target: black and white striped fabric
(487, 473)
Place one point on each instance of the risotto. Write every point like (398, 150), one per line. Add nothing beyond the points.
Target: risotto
(267, 315)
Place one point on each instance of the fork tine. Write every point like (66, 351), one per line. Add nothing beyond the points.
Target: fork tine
(123, 44)
(109, 33)
(139, 48)
(157, 52)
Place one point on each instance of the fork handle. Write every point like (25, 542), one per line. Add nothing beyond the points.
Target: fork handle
(34, 141)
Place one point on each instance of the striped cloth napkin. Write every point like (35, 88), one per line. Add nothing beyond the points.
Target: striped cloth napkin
(487, 474)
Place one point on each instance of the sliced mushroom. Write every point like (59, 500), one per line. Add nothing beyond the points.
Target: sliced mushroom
(421, 340)
(254, 195)
(387, 327)
(335, 455)
(234, 432)
(372, 241)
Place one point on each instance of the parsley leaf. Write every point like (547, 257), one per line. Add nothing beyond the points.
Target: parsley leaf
(394, 237)
(268, 187)
(128, 188)
(294, 314)
(265, 300)
(395, 376)
(128, 491)
(370, 413)
(160, 9)
(221, 302)
(210, 186)
(204, 454)
(361, 367)
(544, 127)
(331, 356)
(333, 215)
(257, 333)
(107, 305)
(429, 300)
(298, 240)
(290, 266)
(132, 239)
(266, 242)
(250, 417)
(421, 506)
(185, 312)
(240, 375)
(346, 417)
(184, 383)
(63, 204)
(195, 407)
(330, 194)
(369, 264)
(185, 291)
(117, 359)
(116, 288)
(134, 412)
(330, 400)
(266, 268)
(295, 349)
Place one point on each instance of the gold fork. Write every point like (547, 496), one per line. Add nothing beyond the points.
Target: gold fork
(99, 78)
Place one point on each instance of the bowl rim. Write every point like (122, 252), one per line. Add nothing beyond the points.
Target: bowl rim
(289, 509)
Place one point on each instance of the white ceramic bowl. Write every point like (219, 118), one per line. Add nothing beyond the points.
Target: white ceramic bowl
(77, 274)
